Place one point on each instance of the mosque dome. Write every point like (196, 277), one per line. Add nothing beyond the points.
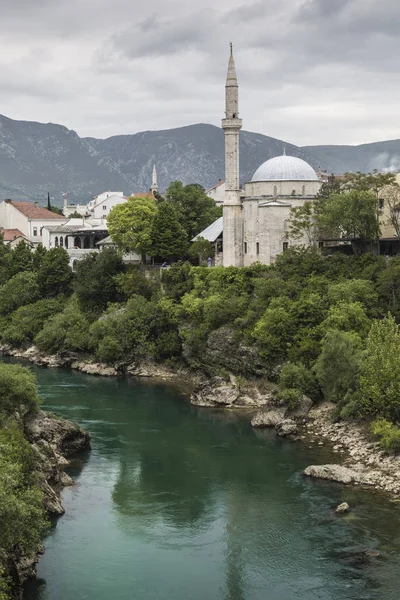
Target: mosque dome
(285, 168)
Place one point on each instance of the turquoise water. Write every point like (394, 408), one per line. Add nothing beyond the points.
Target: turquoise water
(177, 503)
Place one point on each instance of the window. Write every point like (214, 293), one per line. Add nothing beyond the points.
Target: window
(285, 225)
(285, 246)
(104, 207)
(245, 247)
(293, 192)
(303, 190)
(35, 231)
(61, 241)
(258, 247)
(275, 190)
(56, 241)
(66, 241)
(320, 244)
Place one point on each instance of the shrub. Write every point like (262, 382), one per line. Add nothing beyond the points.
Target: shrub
(388, 434)
(290, 396)
(297, 376)
(380, 376)
(68, 330)
(20, 290)
(27, 321)
(17, 388)
(338, 366)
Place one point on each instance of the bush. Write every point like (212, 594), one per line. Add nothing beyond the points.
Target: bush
(17, 389)
(338, 366)
(290, 396)
(388, 434)
(297, 376)
(27, 321)
(68, 330)
(20, 290)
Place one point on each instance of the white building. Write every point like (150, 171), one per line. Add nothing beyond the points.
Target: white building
(255, 220)
(217, 192)
(98, 207)
(28, 218)
(78, 236)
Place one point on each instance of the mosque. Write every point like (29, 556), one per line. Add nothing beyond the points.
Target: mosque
(254, 226)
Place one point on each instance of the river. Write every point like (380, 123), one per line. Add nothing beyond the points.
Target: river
(179, 503)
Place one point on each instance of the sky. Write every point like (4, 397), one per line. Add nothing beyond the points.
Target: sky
(309, 71)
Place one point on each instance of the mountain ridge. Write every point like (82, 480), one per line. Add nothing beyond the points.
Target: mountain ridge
(36, 158)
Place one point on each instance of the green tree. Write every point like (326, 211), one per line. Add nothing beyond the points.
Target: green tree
(18, 390)
(27, 321)
(196, 210)
(95, 284)
(55, 275)
(380, 378)
(373, 182)
(38, 256)
(201, 249)
(20, 259)
(302, 224)
(169, 239)
(68, 330)
(338, 366)
(130, 224)
(332, 186)
(354, 214)
(19, 290)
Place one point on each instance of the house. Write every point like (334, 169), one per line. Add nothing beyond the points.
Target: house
(13, 237)
(78, 236)
(29, 218)
(217, 192)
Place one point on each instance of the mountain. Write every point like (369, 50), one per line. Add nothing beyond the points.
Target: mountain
(36, 158)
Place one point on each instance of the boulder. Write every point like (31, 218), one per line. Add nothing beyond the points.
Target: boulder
(217, 393)
(333, 472)
(287, 428)
(302, 409)
(342, 508)
(269, 418)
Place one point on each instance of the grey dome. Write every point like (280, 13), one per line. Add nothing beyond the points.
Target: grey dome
(285, 168)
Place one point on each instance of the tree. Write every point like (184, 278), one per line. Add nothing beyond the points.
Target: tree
(195, 209)
(373, 182)
(130, 224)
(19, 290)
(55, 275)
(169, 239)
(380, 378)
(20, 259)
(332, 186)
(353, 215)
(38, 256)
(18, 390)
(302, 224)
(391, 197)
(95, 281)
(338, 366)
(201, 249)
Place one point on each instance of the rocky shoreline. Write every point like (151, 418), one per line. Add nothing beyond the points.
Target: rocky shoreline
(360, 460)
(54, 441)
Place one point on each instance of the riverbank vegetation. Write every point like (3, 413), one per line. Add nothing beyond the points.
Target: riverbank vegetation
(22, 514)
(323, 326)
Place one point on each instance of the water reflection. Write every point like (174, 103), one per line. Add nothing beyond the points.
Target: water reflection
(176, 502)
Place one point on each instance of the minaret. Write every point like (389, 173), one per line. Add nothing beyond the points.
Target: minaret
(154, 184)
(232, 209)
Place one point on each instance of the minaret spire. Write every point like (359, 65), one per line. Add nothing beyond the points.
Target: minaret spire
(232, 211)
(154, 184)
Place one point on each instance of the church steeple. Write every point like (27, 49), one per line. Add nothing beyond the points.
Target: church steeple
(232, 210)
(154, 184)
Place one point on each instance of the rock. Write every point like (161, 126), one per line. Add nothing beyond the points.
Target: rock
(287, 428)
(67, 437)
(342, 508)
(269, 418)
(218, 393)
(302, 409)
(52, 501)
(97, 369)
(65, 480)
(336, 473)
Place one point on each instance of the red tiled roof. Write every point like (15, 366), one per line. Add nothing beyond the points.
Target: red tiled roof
(32, 211)
(11, 234)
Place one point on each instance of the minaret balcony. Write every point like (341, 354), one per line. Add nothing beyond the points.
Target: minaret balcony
(232, 123)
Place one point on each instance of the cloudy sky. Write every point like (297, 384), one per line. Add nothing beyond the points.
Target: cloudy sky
(310, 71)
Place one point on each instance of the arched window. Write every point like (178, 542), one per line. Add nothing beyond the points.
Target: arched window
(66, 241)
(86, 242)
(275, 190)
(35, 231)
(61, 241)
(285, 225)
(77, 242)
(303, 190)
(56, 241)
